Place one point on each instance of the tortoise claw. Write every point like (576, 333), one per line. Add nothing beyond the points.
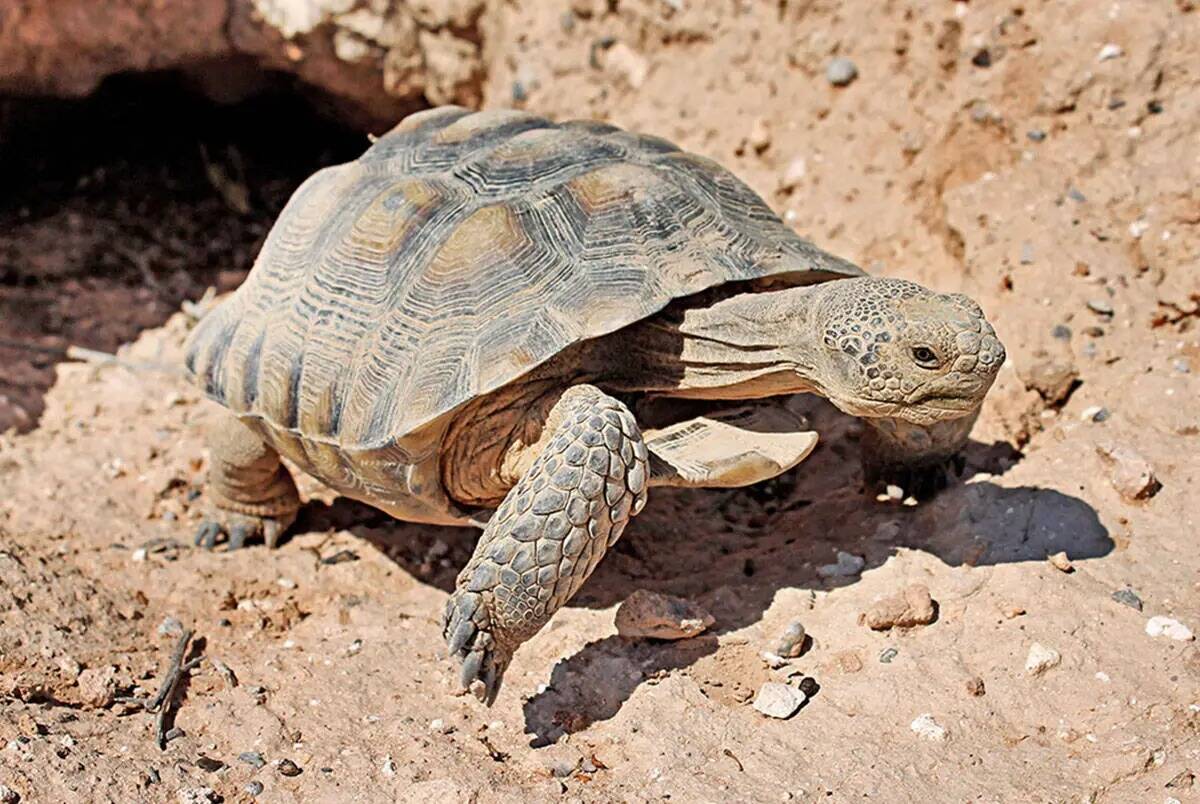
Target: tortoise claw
(206, 534)
(238, 535)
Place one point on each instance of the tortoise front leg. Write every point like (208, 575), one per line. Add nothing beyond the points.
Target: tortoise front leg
(548, 534)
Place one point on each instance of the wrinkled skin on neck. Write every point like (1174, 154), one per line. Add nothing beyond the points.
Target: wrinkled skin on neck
(913, 363)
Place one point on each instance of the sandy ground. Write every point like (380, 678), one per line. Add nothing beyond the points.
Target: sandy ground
(982, 148)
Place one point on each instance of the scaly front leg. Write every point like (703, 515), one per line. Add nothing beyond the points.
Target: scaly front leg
(548, 535)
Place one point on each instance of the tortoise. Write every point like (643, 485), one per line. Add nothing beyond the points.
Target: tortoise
(461, 326)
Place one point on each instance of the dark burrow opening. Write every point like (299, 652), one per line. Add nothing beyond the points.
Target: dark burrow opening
(118, 207)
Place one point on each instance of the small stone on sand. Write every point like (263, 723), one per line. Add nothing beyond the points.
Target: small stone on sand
(778, 700)
(925, 727)
(791, 642)
(1128, 597)
(846, 566)
(908, 608)
(841, 71)
(1060, 562)
(1041, 659)
(649, 614)
(1168, 627)
(98, 686)
(1132, 475)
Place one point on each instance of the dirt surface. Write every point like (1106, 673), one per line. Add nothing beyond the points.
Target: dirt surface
(1008, 153)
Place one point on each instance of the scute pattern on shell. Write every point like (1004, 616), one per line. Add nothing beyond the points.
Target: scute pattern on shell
(464, 249)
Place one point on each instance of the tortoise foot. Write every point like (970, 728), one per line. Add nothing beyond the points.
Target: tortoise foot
(239, 528)
(469, 638)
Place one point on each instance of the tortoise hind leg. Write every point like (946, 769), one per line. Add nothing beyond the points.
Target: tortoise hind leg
(249, 490)
(548, 534)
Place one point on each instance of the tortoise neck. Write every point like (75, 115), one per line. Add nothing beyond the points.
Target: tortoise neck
(747, 346)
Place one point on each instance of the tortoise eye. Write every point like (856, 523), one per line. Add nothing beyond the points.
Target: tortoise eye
(925, 357)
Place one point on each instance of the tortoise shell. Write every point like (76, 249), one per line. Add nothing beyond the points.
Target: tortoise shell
(462, 250)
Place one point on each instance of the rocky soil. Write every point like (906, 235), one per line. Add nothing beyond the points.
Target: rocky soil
(1041, 157)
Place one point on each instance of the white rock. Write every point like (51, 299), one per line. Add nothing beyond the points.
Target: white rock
(925, 727)
(778, 700)
(1110, 51)
(389, 766)
(1041, 659)
(8, 795)
(1165, 626)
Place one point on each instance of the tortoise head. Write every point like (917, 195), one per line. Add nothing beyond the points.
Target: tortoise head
(894, 349)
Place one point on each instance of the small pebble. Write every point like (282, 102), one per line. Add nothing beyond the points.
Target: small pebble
(975, 686)
(286, 583)
(1060, 562)
(196, 795)
(841, 71)
(982, 58)
(170, 627)
(910, 607)
(440, 726)
(253, 788)
(1041, 659)
(1027, 253)
(1154, 106)
(649, 614)
(791, 643)
(847, 565)
(1110, 51)
(1094, 413)
(8, 795)
(887, 655)
(925, 727)
(288, 768)
(209, 764)
(759, 138)
(1075, 195)
(1132, 475)
(1182, 366)
(139, 554)
(1036, 135)
(778, 700)
(252, 758)
(1128, 597)
(1061, 331)
(1100, 306)
(1170, 628)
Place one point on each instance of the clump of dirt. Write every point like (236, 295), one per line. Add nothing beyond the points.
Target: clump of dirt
(1040, 159)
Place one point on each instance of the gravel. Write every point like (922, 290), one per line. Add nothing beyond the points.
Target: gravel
(1170, 628)
(1041, 659)
(841, 72)
(253, 788)
(1128, 597)
(778, 700)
